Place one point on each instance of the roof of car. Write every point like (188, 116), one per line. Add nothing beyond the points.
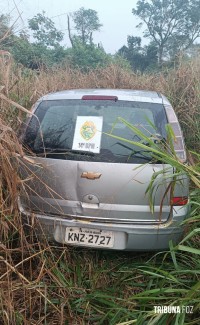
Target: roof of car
(122, 94)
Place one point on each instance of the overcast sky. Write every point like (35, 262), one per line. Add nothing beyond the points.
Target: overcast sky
(115, 15)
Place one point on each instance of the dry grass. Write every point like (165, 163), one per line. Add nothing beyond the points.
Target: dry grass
(40, 284)
(9, 179)
(180, 85)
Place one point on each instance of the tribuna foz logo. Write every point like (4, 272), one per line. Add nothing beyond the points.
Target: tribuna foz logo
(173, 309)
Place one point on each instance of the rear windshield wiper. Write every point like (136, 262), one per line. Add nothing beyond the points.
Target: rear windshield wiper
(43, 151)
(140, 154)
(136, 153)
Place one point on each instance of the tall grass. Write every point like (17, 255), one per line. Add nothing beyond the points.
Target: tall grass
(43, 284)
(180, 85)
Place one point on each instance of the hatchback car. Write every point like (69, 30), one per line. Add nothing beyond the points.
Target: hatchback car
(88, 178)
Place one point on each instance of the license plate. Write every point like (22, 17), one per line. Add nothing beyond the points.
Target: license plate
(89, 237)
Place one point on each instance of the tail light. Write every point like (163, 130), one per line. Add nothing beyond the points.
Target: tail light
(179, 200)
(99, 97)
(179, 145)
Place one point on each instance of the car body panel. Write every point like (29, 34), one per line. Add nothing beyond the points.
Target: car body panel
(123, 197)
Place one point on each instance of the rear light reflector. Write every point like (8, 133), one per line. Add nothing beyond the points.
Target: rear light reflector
(99, 97)
(179, 200)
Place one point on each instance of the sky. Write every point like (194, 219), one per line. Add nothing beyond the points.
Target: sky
(115, 16)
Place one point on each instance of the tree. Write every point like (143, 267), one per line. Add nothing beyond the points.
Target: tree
(44, 30)
(4, 25)
(140, 58)
(87, 56)
(6, 32)
(170, 23)
(193, 51)
(133, 53)
(86, 22)
(36, 55)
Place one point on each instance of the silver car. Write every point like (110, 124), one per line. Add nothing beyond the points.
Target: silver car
(86, 178)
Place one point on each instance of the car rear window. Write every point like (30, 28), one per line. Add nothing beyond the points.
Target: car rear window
(55, 132)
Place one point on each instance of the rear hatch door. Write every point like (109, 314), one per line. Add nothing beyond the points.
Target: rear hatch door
(85, 168)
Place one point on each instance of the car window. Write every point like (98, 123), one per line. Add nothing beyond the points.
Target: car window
(55, 129)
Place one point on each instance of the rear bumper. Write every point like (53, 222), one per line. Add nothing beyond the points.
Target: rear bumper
(126, 237)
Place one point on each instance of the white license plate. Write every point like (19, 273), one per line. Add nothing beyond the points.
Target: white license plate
(89, 237)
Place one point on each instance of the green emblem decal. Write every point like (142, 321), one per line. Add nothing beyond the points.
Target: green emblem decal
(88, 130)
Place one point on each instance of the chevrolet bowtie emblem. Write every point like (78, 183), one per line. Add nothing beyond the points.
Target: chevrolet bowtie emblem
(90, 175)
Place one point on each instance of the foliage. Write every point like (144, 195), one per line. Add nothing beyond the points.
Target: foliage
(47, 51)
(87, 56)
(6, 32)
(86, 22)
(4, 25)
(44, 30)
(172, 24)
(140, 58)
(36, 55)
(192, 52)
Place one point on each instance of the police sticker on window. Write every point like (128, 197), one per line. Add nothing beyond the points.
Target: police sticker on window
(87, 135)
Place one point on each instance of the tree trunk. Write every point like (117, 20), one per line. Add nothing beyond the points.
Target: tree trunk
(160, 55)
(83, 36)
(91, 41)
(69, 31)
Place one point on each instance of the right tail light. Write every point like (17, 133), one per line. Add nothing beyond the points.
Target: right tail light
(179, 200)
(179, 145)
